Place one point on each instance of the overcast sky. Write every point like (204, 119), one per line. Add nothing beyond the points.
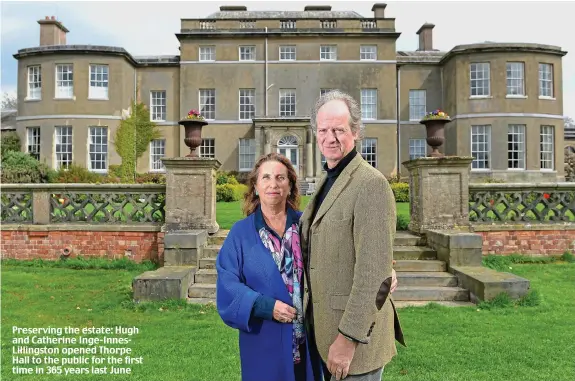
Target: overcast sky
(148, 27)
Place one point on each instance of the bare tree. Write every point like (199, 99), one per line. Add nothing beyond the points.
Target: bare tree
(9, 102)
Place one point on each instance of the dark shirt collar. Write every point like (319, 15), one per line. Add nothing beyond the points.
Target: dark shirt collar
(335, 171)
(291, 218)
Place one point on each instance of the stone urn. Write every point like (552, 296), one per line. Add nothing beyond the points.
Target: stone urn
(435, 128)
(193, 135)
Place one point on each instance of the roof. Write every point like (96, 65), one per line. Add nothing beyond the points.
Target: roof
(98, 49)
(420, 56)
(253, 15)
(9, 120)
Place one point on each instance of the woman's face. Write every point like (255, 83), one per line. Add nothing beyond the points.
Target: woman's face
(273, 184)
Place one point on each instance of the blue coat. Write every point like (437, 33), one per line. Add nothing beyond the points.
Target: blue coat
(246, 269)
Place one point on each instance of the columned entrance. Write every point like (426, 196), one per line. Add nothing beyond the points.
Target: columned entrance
(288, 147)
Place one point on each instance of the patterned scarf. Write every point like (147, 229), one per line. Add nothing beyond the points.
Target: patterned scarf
(288, 257)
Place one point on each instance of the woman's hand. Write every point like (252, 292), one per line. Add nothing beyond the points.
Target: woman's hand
(283, 312)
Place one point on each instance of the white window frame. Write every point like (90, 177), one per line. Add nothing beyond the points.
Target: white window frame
(546, 84)
(208, 148)
(480, 79)
(547, 148)
(481, 147)
(247, 110)
(246, 154)
(288, 95)
(516, 135)
(328, 24)
(368, 53)
(247, 53)
(64, 86)
(417, 104)
(158, 105)
(34, 81)
(93, 133)
(515, 75)
(207, 53)
(328, 53)
(33, 142)
(287, 52)
(369, 104)
(207, 109)
(157, 152)
(99, 87)
(417, 148)
(369, 151)
(63, 146)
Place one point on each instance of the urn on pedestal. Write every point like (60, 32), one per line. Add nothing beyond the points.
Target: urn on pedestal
(193, 124)
(434, 123)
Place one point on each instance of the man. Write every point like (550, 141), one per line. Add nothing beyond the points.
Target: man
(347, 233)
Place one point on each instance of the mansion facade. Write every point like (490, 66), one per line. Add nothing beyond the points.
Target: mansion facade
(255, 75)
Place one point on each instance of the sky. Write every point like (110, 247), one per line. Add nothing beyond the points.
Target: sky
(149, 27)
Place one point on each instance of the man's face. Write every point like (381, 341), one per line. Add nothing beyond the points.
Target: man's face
(334, 136)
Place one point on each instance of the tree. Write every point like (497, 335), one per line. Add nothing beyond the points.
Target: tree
(569, 122)
(135, 133)
(9, 102)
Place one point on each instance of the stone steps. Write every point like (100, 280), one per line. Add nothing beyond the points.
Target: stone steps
(427, 293)
(422, 278)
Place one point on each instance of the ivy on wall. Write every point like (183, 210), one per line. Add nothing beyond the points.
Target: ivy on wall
(133, 138)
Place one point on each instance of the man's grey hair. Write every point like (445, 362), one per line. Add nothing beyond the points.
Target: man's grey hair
(354, 110)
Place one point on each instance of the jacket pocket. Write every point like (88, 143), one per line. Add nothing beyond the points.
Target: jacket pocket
(338, 302)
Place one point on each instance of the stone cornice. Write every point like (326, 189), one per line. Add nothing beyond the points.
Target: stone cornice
(503, 48)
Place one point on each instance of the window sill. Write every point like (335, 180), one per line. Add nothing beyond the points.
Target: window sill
(516, 96)
(481, 97)
(65, 98)
(547, 170)
(515, 169)
(99, 171)
(158, 120)
(547, 98)
(480, 169)
(32, 99)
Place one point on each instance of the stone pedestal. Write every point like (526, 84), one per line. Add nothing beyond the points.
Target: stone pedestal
(438, 193)
(191, 194)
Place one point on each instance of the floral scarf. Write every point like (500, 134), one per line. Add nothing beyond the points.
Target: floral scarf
(288, 257)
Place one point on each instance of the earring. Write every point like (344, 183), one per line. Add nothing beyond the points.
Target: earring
(257, 194)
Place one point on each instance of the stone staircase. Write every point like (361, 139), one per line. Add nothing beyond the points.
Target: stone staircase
(421, 277)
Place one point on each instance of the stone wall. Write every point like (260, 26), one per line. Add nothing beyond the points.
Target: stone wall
(51, 244)
(533, 240)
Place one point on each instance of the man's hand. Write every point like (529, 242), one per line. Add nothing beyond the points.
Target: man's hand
(283, 312)
(393, 281)
(339, 357)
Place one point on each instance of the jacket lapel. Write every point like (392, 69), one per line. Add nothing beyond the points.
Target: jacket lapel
(337, 187)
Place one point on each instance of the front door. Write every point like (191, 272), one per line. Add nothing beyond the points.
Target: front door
(287, 146)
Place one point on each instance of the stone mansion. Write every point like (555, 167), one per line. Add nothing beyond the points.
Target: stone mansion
(256, 74)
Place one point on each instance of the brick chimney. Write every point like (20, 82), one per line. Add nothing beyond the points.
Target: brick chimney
(52, 32)
(378, 10)
(426, 37)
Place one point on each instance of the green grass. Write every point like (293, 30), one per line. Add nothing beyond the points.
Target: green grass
(227, 213)
(497, 342)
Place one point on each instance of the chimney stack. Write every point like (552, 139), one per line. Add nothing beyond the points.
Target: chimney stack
(426, 37)
(52, 32)
(378, 10)
(233, 8)
(312, 8)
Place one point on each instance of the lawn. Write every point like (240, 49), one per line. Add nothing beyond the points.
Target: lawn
(227, 213)
(186, 342)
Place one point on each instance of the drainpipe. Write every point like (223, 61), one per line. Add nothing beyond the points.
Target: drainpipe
(398, 117)
(266, 74)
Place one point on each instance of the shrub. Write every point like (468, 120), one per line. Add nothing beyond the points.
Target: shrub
(400, 191)
(150, 178)
(77, 174)
(20, 167)
(10, 142)
(225, 178)
(241, 177)
(230, 192)
(402, 222)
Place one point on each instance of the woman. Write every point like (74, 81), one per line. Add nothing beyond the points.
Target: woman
(260, 277)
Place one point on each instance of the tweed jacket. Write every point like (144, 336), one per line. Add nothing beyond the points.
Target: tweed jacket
(348, 252)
